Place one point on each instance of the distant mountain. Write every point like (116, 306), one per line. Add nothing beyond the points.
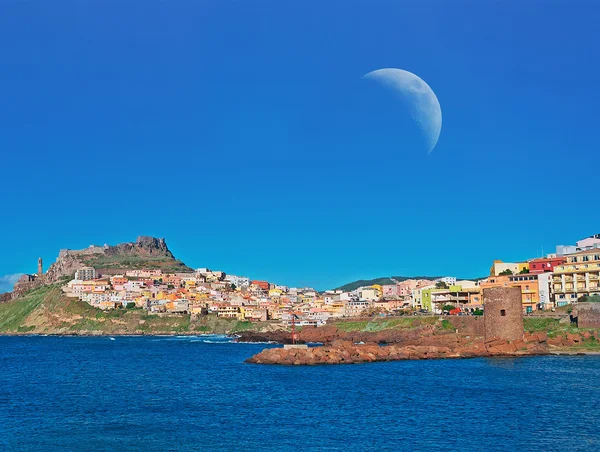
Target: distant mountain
(392, 280)
(381, 281)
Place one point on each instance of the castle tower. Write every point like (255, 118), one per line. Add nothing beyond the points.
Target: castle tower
(40, 267)
(503, 313)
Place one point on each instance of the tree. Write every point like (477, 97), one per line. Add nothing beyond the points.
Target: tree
(448, 307)
(233, 286)
(506, 272)
(524, 271)
(130, 305)
(586, 298)
(441, 285)
(478, 312)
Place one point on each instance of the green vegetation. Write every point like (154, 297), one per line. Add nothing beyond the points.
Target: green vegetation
(384, 324)
(14, 313)
(130, 262)
(447, 325)
(441, 285)
(47, 310)
(506, 272)
(592, 299)
(551, 326)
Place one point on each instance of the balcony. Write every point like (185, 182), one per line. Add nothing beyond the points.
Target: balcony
(569, 278)
(557, 280)
(593, 277)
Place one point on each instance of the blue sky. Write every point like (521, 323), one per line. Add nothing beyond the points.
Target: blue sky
(244, 134)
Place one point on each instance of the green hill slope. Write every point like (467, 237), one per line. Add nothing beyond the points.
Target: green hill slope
(46, 310)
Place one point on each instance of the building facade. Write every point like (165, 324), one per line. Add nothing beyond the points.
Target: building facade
(578, 276)
(85, 274)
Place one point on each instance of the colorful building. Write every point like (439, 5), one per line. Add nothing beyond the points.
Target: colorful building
(545, 264)
(499, 268)
(578, 276)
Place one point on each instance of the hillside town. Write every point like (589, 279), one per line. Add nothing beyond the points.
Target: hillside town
(546, 283)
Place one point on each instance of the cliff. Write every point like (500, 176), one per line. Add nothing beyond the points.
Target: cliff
(144, 253)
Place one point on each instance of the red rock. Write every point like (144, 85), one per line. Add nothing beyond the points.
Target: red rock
(519, 344)
(505, 348)
(555, 341)
(573, 337)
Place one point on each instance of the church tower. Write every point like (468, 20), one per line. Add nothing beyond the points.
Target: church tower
(40, 268)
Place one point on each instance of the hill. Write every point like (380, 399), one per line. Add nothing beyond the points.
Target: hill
(381, 281)
(45, 310)
(145, 253)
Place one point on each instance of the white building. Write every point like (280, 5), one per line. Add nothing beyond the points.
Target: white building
(238, 281)
(544, 294)
(85, 274)
(356, 308)
(449, 280)
(368, 294)
(589, 243)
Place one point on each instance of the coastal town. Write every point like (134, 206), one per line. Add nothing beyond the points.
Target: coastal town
(558, 279)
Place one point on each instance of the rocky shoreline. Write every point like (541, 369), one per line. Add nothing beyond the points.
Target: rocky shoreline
(450, 346)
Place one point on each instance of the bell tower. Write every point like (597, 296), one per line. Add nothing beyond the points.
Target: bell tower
(40, 267)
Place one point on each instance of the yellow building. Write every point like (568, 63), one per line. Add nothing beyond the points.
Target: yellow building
(500, 268)
(579, 276)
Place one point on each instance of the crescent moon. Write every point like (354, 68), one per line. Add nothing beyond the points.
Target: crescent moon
(424, 105)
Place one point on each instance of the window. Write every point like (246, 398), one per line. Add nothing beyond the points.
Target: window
(503, 312)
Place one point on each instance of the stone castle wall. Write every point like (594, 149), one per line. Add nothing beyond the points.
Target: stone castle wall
(588, 315)
(503, 313)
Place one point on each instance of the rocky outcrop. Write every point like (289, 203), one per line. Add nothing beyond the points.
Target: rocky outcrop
(329, 333)
(347, 352)
(143, 246)
(145, 252)
(67, 263)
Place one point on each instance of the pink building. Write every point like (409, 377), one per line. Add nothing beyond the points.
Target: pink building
(390, 290)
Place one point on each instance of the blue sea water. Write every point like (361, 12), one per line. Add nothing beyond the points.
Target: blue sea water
(196, 393)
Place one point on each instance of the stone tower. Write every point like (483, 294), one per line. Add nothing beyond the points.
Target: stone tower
(503, 313)
(40, 268)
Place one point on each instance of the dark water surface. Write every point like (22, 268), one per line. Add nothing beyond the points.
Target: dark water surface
(188, 394)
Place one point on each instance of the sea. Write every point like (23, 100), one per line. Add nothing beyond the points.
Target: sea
(197, 394)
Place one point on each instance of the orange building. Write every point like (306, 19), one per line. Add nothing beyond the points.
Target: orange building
(264, 285)
(118, 280)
